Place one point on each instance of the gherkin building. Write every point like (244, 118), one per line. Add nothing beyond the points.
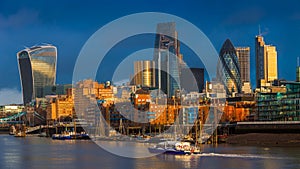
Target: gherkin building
(228, 70)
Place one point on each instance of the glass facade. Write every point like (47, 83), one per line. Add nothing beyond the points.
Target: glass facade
(259, 59)
(166, 57)
(266, 61)
(228, 70)
(144, 73)
(243, 54)
(173, 77)
(57, 89)
(280, 106)
(37, 66)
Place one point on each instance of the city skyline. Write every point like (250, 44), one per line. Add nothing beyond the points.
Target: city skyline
(150, 84)
(69, 35)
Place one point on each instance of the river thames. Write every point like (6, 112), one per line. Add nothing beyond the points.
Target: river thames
(36, 152)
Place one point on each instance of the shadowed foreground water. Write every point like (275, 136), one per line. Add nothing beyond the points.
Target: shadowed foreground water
(35, 152)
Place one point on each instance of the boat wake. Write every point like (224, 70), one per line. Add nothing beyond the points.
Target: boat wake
(237, 156)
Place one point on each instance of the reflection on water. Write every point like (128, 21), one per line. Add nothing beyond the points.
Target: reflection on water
(187, 161)
(126, 149)
(35, 152)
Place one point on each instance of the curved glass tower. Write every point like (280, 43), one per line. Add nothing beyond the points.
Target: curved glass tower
(37, 67)
(228, 70)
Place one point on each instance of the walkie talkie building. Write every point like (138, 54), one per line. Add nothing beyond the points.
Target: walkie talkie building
(37, 67)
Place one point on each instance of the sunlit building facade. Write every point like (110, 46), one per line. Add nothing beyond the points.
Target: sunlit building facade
(60, 106)
(266, 61)
(271, 65)
(144, 73)
(37, 67)
(228, 70)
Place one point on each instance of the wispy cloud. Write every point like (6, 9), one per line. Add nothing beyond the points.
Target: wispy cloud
(264, 31)
(21, 18)
(10, 96)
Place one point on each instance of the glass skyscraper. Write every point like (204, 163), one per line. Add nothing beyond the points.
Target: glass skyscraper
(243, 54)
(266, 61)
(228, 70)
(37, 67)
(144, 73)
(167, 59)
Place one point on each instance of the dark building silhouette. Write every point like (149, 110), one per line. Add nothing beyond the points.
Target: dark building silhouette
(192, 79)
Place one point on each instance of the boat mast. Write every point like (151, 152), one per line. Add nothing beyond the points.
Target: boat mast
(175, 122)
(121, 126)
(74, 126)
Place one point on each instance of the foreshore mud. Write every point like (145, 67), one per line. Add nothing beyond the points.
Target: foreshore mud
(265, 139)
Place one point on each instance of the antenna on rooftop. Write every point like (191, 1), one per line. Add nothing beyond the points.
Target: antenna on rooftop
(298, 62)
(259, 31)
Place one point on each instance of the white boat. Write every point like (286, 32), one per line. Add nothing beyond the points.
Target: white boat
(175, 148)
(12, 130)
(66, 135)
(20, 134)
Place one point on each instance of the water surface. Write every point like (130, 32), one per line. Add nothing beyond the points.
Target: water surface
(36, 152)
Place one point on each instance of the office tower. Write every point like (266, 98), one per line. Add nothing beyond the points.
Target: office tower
(266, 61)
(228, 70)
(37, 67)
(167, 58)
(271, 64)
(243, 55)
(298, 74)
(144, 73)
(259, 59)
(192, 79)
(298, 71)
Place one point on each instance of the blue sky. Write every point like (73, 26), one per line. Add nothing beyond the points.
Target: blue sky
(68, 24)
